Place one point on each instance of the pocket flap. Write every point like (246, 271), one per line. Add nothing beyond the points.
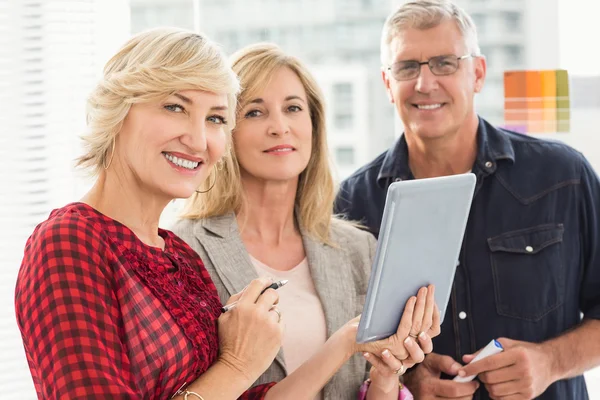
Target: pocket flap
(529, 240)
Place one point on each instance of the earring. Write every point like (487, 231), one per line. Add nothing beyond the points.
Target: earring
(112, 154)
(211, 186)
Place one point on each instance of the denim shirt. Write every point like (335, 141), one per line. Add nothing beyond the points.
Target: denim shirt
(529, 263)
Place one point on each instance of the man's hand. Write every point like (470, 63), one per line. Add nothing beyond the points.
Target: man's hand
(520, 372)
(425, 383)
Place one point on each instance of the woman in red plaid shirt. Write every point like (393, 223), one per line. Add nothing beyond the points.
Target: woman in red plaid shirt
(109, 305)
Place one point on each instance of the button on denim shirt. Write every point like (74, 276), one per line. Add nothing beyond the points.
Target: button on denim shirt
(529, 264)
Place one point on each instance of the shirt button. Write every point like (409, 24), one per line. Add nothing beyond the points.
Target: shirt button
(489, 164)
(203, 303)
(462, 315)
(529, 249)
(398, 180)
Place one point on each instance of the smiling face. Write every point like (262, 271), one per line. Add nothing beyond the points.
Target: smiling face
(433, 107)
(169, 146)
(272, 138)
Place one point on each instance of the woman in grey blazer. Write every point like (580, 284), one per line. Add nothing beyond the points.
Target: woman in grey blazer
(268, 212)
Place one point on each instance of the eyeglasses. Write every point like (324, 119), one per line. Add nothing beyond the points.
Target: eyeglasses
(439, 66)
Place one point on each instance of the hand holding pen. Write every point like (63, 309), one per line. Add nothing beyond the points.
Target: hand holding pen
(250, 335)
(274, 285)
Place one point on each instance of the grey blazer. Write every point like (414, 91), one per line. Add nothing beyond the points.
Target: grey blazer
(340, 275)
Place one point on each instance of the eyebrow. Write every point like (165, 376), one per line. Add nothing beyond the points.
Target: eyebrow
(187, 100)
(291, 97)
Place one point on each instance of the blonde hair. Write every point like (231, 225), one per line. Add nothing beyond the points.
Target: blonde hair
(255, 65)
(152, 65)
(426, 14)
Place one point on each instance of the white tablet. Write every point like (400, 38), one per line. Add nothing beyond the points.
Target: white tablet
(421, 233)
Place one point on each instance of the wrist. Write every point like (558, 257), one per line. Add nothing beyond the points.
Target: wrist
(346, 338)
(231, 366)
(555, 369)
(384, 385)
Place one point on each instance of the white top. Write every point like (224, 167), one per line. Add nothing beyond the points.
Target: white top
(305, 328)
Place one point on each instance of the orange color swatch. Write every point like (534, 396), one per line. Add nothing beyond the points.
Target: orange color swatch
(537, 101)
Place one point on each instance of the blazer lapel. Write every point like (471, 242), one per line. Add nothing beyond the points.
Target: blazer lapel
(221, 239)
(332, 278)
(224, 247)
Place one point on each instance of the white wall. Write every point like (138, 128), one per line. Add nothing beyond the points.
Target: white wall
(49, 59)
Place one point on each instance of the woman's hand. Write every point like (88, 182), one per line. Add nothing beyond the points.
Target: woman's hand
(420, 322)
(250, 333)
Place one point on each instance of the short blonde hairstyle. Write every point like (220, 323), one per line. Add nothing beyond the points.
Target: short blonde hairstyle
(255, 65)
(426, 14)
(152, 65)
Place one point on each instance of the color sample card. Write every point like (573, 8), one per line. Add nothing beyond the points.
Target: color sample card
(537, 101)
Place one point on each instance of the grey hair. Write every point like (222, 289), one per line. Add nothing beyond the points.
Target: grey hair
(426, 14)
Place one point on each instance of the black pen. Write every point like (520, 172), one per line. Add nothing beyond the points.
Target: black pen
(274, 285)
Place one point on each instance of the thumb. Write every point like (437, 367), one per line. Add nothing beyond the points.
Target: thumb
(507, 343)
(443, 364)
(504, 342)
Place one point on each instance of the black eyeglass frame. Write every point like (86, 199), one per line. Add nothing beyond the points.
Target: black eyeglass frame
(429, 63)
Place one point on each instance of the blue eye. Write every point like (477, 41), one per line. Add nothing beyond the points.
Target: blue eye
(294, 109)
(217, 119)
(175, 108)
(252, 114)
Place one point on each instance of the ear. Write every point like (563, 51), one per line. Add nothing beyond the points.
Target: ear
(480, 65)
(386, 83)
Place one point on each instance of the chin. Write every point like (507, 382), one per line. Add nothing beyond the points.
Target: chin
(181, 192)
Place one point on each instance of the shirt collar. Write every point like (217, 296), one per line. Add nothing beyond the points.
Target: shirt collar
(492, 145)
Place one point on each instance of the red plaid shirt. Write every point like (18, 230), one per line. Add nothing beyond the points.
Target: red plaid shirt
(103, 315)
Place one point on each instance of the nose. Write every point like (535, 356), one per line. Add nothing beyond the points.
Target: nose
(426, 81)
(196, 136)
(278, 124)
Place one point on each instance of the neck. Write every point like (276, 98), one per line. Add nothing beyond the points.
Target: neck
(450, 155)
(118, 196)
(268, 211)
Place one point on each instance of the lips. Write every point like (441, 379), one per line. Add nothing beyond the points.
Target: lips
(183, 161)
(280, 149)
(429, 106)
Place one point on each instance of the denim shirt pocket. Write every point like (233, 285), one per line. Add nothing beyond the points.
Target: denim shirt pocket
(528, 273)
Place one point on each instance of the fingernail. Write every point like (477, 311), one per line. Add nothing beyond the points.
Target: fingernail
(423, 336)
(455, 367)
(407, 340)
(461, 373)
(366, 355)
(386, 353)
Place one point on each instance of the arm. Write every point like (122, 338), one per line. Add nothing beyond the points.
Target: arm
(572, 353)
(311, 376)
(578, 350)
(68, 314)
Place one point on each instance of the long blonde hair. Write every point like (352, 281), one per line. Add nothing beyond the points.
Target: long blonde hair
(152, 64)
(254, 66)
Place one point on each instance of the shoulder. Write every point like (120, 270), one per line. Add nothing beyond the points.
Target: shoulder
(185, 227)
(66, 255)
(364, 175)
(68, 231)
(542, 151)
(357, 243)
(348, 232)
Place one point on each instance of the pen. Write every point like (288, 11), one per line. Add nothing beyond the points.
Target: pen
(274, 285)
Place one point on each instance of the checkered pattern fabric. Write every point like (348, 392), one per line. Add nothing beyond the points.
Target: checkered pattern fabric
(103, 315)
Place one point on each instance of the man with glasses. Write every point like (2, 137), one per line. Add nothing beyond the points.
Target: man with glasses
(529, 265)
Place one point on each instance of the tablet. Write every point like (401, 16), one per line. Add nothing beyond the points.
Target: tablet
(421, 234)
